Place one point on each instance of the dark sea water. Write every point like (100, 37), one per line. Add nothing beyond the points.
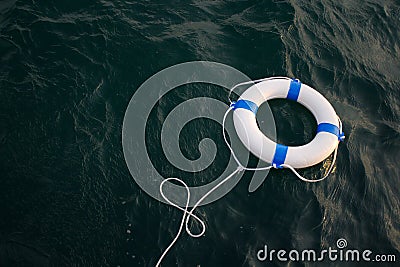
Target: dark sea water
(68, 70)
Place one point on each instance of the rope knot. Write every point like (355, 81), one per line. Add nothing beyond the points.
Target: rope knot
(240, 168)
(277, 166)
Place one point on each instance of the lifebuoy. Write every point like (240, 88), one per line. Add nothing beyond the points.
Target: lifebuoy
(323, 144)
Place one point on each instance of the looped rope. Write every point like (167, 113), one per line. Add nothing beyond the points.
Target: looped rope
(189, 214)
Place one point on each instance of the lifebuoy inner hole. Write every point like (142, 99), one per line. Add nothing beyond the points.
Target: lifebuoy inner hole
(295, 124)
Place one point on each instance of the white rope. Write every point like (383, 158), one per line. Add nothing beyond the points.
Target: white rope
(314, 180)
(183, 217)
(330, 167)
(188, 214)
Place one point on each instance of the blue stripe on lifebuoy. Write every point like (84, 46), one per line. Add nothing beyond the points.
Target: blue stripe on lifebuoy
(246, 104)
(279, 156)
(329, 128)
(294, 90)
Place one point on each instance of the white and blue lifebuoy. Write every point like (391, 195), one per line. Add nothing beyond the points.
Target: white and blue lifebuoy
(325, 142)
